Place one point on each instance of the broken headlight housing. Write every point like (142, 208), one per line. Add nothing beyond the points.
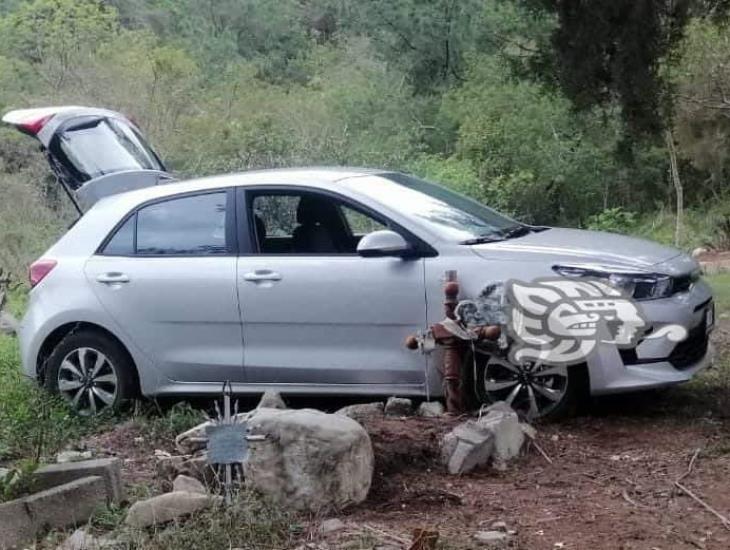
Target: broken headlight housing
(640, 286)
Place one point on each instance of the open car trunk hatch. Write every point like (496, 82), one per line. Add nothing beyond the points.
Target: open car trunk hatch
(92, 152)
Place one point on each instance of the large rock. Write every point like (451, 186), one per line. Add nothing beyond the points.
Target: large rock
(168, 507)
(398, 406)
(271, 400)
(496, 436)
(362, 411)
(309, 460)
(509, 436)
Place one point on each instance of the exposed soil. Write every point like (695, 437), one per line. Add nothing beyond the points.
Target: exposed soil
(611, 483)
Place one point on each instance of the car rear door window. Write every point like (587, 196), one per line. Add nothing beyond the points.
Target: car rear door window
(187, 226)
(193, 225)
(122, 243)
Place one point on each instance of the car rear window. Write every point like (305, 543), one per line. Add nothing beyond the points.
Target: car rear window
(191, 226)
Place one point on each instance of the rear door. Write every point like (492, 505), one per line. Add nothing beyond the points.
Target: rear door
(168, 277)
(92, 152)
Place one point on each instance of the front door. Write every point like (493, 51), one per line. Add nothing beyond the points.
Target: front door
(314, 311)
(168, 277)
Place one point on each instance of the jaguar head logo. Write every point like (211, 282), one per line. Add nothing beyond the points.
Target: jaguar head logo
(562, 321)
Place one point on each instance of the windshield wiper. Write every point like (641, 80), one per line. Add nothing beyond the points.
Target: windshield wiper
(516, 231)
(481, 239)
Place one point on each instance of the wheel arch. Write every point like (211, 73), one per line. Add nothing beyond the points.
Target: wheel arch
(57, 336)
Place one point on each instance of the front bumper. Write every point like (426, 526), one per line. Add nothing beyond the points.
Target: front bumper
(660, 362)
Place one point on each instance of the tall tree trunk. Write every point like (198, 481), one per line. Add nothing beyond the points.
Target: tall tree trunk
(678, 190)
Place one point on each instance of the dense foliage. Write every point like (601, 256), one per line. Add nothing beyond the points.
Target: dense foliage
(552, 111)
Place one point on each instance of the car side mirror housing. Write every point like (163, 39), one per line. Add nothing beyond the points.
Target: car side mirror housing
(383, 243)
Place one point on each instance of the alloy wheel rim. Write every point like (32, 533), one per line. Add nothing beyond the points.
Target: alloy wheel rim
(532, 389)
(88, 380)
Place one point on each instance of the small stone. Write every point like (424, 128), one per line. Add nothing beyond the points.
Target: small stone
(699, 251)
(188, 484)
(168, 467)
(139, 440)
(362, 411)
(331, 525)
(271, 400)
(529, 430)
(492, 539)
(8, 324)
(64, 457)
(168, 507)
(398, 406)
(554, 437)
(80, 540)
(499, 526)
(431, 409)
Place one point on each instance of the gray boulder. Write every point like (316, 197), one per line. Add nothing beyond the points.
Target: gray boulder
(431, 409)
(362, 411)
(398, 406)
(497, 437)
(271, 400)
(168, 507)
(309, 460)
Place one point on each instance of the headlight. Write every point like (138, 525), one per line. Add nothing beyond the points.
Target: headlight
(640, 286)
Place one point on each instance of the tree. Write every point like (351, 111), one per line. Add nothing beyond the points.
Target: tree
(56, 34)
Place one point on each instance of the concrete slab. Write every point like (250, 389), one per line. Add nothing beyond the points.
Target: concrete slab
(110, 469)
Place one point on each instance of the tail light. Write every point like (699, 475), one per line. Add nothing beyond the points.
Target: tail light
(35, 125)
(39, 270)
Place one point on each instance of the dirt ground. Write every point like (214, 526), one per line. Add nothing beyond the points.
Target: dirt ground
(610, 484)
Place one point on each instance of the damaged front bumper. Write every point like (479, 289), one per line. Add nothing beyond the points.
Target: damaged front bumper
(657, 363)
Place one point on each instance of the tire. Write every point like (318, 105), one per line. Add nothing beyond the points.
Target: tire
(92, 371)
(536, 392)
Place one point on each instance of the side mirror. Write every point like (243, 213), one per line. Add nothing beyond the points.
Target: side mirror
(383, 243)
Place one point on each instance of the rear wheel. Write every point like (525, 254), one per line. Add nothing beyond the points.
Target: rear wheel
(92, 371)
(534, 390)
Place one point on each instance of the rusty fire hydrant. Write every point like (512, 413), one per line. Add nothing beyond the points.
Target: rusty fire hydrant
(451, 336)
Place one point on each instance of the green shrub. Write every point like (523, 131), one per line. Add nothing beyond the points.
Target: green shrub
(33, 423)
(614, 220)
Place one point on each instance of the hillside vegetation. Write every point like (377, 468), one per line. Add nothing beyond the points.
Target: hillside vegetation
(520, 104)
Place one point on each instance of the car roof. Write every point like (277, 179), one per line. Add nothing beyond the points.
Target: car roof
(325, 177)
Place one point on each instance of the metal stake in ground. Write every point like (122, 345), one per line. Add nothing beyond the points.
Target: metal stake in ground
(227, 443)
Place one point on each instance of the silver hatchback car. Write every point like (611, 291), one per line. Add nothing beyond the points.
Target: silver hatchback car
(306, 281)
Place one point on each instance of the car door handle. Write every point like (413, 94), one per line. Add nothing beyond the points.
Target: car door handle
(112, 278)
(262, 275)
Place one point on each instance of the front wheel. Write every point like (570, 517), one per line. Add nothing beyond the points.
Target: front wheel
(92, 371)
(534, 390)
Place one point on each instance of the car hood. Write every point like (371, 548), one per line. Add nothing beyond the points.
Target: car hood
(560, 245)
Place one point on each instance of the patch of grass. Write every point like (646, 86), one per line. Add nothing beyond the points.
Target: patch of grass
(167, 425)
(249, 523)
(33, 423)
(720, 284)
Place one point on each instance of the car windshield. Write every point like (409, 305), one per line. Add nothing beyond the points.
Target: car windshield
(103, 146)
(449, 214)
